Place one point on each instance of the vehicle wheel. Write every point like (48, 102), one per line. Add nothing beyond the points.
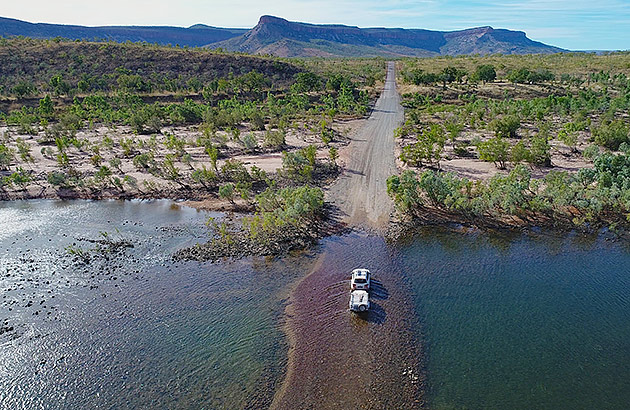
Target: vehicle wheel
(362, 308)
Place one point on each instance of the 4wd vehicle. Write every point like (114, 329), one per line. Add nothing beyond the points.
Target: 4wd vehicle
(360, 279)
(359, 301)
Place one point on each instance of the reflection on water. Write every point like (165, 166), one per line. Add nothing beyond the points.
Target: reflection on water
(146, 332)
(522, 322)
(506, 321)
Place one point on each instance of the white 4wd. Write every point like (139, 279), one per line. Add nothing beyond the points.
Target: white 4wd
(360, 279)
(359, 301)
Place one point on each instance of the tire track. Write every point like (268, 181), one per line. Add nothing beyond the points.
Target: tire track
(337, 359)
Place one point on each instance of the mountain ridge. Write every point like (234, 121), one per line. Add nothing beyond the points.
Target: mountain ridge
(284, 38)
(194, 36)
(274, 35)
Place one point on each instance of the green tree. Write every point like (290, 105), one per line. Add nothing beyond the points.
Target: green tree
(496, 150)
(46, 108)
(6, 156)
(612, 134)
(506, 127)
(540, 151)
(305, 82)
(58, 85)
(227, 192)
(24, 88)
(428, 147)
(485, 73)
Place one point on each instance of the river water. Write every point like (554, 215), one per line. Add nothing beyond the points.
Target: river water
(523, 321)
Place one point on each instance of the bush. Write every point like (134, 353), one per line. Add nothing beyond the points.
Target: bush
(540, 151)
(427, 148)
(495, 150)
(485, 73)
(506, 127)
(296, 166)
(143, 161)
(249, 142)
(305, 82)
(611, 135)
(58, 179)
(227, 192)
(274, 139)
(234, 170)
(6, 156)
(591, 152)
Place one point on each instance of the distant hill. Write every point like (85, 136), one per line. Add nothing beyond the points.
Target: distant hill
(276, 36)
(28, 65)
(195, 36)
(273, 35)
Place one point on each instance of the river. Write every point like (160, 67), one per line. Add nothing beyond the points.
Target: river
(469, 320)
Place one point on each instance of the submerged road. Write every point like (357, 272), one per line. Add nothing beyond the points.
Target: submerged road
(337, 359)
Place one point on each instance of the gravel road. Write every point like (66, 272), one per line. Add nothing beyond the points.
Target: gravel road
(361, 191)
(338, 360)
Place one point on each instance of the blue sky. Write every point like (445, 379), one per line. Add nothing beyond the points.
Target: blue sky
(571, 24)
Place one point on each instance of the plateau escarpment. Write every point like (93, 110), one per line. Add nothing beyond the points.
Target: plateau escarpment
(280, 37)
(273, 35)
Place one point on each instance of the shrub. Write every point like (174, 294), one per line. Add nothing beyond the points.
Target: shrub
(6, 156)
(296, 166)
(506, 127)
(611, 135)
(540, 151)
(235, 170)
(427, 148)
(227, 192)
(249, 142)
(55, 178)
(496, 150)
(274, 139)
(485, 73)
(591, 152)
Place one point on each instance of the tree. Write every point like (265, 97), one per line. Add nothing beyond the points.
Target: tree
(46, 108)
(227, 192)
(58, 85)
(540, 151)
(506, 127)
(305, 82)
(448, 75)
(485, 73)
(6, 156)
(495, 150)
(427, 148)
(333, 154)
(24, 89)
(611, 135)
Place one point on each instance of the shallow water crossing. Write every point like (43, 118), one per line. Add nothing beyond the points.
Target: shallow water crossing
(460, 320)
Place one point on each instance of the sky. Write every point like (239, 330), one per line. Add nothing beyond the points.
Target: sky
(570, 24)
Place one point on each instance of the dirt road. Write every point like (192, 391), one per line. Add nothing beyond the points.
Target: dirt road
(338, 360)
(360, 193)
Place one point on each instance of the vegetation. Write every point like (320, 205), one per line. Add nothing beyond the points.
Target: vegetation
(140, 120)
(595, 196)
(285, 219)
(556, 128)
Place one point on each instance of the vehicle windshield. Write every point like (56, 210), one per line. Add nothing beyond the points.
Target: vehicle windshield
(359, 280)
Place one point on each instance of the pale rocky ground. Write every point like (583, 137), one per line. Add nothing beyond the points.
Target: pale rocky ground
(471, 167)
(44, 156)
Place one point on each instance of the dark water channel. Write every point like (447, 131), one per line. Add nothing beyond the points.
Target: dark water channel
(522, 322)
(504, 322)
